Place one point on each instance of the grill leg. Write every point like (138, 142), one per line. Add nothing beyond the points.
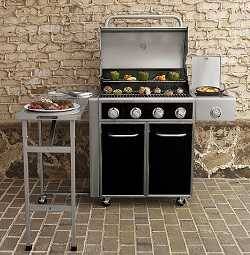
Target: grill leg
(40, 158)
(73, 194)
(26, 185)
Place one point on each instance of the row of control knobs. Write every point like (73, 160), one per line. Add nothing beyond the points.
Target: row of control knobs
(157, 113)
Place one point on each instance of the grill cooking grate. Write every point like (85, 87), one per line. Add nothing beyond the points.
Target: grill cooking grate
(138, 95)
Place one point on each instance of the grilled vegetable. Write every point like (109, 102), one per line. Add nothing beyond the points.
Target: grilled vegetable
(115, 75)
(107, 89)
(157, 90)
(128, 90)
(161, 77)
(179, 91)
(144, 91)
(129, 77)
(147, 91)
(141, 90)
(143, 76)
(168, 93)
(174, 76)
(117, 92)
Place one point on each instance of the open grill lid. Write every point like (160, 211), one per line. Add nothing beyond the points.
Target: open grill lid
(143, 47)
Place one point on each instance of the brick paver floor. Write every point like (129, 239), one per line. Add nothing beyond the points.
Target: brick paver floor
(215, 221)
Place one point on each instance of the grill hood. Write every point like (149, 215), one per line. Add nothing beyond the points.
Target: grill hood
(149, 47)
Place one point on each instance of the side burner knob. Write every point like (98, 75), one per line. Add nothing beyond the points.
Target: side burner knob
(135, 113)
(158, 113)
(216, 112)
(180, 113)
(113, 113)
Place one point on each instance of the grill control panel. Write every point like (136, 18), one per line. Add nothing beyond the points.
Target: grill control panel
(147, 110)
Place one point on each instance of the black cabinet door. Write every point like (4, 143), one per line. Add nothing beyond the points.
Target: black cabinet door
(170, 155)
(122, 159)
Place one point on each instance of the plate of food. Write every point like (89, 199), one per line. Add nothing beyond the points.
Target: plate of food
(48, 105)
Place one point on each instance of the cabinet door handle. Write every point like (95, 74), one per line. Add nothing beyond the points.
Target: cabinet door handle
(170, 135)
(132, 135)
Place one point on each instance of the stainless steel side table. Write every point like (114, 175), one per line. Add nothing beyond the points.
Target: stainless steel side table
(24, 116)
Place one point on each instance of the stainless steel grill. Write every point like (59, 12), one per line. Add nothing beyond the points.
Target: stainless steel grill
(152, 131)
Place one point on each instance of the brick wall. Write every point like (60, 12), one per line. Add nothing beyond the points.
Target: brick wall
(48, 44)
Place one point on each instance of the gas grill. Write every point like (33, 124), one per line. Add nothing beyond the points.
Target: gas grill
(141, 129)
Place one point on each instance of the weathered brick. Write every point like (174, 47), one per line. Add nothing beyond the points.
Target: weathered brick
(30, 47)
(41, 73)
(7, 30)
(7, 47)
(51, 65)
(16, 56)
(28, 29)
(72, 63)
(50, 48)
(50, 28)
(59, 55)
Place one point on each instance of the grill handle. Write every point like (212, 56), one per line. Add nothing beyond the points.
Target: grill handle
(170, 135)
(123, 136)
(110, 18)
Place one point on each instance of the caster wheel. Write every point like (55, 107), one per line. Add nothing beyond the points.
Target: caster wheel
(180, 201)
(73, 248)
(28, 247)
(106, 202)
(42, 200)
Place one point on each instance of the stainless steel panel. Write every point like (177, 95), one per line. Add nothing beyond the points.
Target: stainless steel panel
(94, 140)
(206, 105)
(206, 70)
(142, 16)
(147, 100)
(140, 48)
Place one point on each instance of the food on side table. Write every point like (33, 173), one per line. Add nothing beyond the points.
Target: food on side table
(161, 77)
(115, 75)
(129, 77)
(47, 104)
(174, 76)
(107, 89)
(128, 90)
(168, 93)
(141, 90)
(143, 76)
(157, 90)
(117, 91)
(208, 89)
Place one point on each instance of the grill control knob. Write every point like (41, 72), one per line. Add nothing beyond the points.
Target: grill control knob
(180, 113)
(113, 113)
(158, 112)
(135, 113)
(216, 112)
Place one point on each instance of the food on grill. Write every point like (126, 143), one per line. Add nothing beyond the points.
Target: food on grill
(115, 75)
(161, 77)
(128, 90)
(157, 90)
(168, 93)
(143, 76)
(117, 91)
(108, 89)
(141, 90)
(174, 76)
(180, 91)
(48, 104)
(207, 89)
(144, 91)
(147, 91)
(129, 77)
